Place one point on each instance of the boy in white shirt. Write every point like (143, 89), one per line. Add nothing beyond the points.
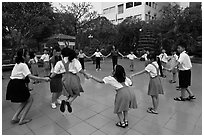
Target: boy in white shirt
(131, 57)
(184, 66)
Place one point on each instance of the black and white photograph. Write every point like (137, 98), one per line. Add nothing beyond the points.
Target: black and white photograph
(101, 68)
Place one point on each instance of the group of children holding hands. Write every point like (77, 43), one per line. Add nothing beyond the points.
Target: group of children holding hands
(64, 80)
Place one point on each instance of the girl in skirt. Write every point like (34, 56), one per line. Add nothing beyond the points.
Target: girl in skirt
(124, 98)
(45, 58)
(18, 92)
(155, 87)
(71, 81)
(56, 77)
(34, 65)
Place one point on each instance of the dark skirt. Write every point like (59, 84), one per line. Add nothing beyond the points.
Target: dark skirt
(155, 87)
(17, 91)
(56, 84)
(184, 78)
(124, 100)
(72, 85)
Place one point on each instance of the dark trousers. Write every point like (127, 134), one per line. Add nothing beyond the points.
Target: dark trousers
(81, 60)
(114, 61)
(98, 62)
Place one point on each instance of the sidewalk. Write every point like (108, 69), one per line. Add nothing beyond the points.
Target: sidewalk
(93, 110)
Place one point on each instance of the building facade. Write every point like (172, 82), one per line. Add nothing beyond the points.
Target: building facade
(116, 12)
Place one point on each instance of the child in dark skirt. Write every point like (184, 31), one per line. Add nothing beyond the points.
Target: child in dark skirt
(56, 77)
(18, 92)
(155, 86)
(70, 80)
(125, 98)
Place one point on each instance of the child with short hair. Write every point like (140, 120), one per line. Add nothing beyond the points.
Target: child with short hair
(34, 65)
(131, 57)
(172, 62)
(45, 58)
(124, 98)
(56, 77)
(155, 86)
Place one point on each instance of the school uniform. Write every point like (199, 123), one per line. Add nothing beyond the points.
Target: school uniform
(155, 86)
(131, 58)
(163, 58)
(45, 58)
(98, 58)
(56, 82)
(71, 81)
(34, 66)
(17, 91)
(184, 70)
(173, 60)
(124, 98)
(81, 59)
(114, 55)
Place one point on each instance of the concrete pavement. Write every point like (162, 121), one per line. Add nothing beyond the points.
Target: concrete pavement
(93, 110)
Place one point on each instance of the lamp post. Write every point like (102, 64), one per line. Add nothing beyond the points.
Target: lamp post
(91, 37)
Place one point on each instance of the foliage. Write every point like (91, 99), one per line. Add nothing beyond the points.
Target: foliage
(26, 20)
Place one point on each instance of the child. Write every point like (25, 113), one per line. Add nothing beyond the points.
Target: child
(18, 92)
(56, 77)
(155, 87)
(184, 67)
(98, 56)
(45, 58)
(34, 65)
(70, 80)
(172, 62)
(124, 98)
(164, 59)
(131, 57)
(81, 56)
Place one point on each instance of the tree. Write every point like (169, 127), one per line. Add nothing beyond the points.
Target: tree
(82, 14)
(26, 20)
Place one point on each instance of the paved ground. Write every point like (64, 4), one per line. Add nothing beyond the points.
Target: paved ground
(93, 110)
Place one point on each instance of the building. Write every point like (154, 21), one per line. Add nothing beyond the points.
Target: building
(116, 12)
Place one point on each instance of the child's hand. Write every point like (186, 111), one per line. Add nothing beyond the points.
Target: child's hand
(47, 79)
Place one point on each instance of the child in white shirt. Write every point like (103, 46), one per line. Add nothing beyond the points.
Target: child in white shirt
(124, 98)
(155, 86)
(131, 57)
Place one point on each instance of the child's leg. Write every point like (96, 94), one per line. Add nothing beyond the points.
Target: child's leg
(125, 113)
(54, 97)
(72, 99)
(120, 116)
(155, 102)
(183, 91)
(21, 107)
(174, 77)
(25, 111)
(189, 92)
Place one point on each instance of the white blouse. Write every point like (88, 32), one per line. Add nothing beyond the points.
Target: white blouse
(113, 82)
(151, 69)
(74, 66)
(98, 54)
(20, 71)
(45, 57)
(131, 56)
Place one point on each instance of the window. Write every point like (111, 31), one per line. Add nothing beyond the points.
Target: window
(120, 9)
(120, 20)
(109, 10)
(147, 3)
(150, 4)
(129, 5)
(137, 3)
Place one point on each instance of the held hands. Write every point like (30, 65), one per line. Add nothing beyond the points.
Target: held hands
(47, 79)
